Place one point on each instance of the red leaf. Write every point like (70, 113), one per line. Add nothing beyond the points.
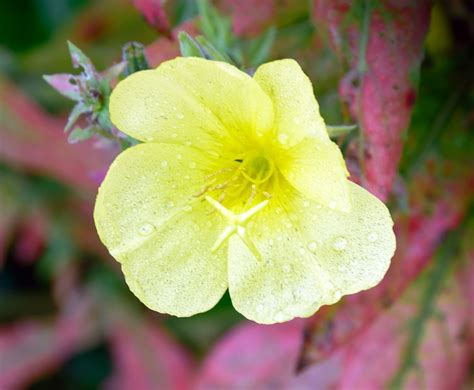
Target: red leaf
(253, 356)
(383, 100)
(146, 358)
(155, 15)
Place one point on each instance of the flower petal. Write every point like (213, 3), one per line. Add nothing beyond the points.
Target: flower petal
(191, 100)
(317, 169)
(149, 220)
(296, 109)
(312, 256)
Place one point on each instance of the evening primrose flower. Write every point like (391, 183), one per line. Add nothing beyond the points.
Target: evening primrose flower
(236, 186)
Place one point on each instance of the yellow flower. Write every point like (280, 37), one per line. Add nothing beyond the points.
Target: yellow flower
(237, 185)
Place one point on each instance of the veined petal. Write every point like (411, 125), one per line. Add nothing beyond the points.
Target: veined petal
(189, 100)
(312, 256)
(317, 169)
(296, 109)
(145, 210)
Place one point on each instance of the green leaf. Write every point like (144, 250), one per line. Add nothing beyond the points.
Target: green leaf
(211, 52)
(259, 49)
(336, 131)
(79, 59)
(188, 46)
(76, 112)
(133, 53)
(79, 134)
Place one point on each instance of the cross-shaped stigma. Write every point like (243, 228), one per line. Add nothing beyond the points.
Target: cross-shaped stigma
(236, 224)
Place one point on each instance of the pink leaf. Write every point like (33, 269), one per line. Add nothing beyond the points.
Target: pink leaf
(146, 358)
(383, 100)
(253, 356)
(31, 349)
(250, 17)
(372, 359)
(62, 83)
(34, 141)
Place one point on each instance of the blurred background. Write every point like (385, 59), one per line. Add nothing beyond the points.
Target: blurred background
(401, 70)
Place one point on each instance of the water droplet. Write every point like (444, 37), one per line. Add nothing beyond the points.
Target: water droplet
(312, 246)
(174, 135)
(318, 206)
(306, 203)
(372, 237)
(170, 204)
(146, 229)
(289, 225)
(302, 251)
(180, 116)
(286, 268)
(188, 143)
(148, 138)
(283, 138)
(209, 224)
(332, 204)
(192, 165)
(164, 164)
(337, 294)
(179, 156)
(297, 120)
(340, 244)
(187, 208)
(280, 317)
(270, 242)
(260, 308)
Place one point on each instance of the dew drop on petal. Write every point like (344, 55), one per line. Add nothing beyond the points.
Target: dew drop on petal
(187, 208)
(302, 251)
(180, 116)
(146, 229)
(270, 242)
(372, 237)
(179, 156)
(286, 268)
(312, 246)
(192, 165)
(337, 294)
(174, 135)
(280, 317)
(283, 138)
(170, 204)
(318, 206)
(260, 308)
(164, 164)
(332, 204)
(339, 244)
(305, 203)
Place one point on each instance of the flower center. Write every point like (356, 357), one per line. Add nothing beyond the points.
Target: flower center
(257, 168)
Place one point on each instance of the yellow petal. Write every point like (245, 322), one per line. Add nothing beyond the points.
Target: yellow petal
(296, 109)
(317, 169)
(311, 256)
(147, 217)
(205, 103)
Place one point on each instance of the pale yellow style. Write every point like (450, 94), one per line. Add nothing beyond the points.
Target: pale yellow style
(236, 186)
